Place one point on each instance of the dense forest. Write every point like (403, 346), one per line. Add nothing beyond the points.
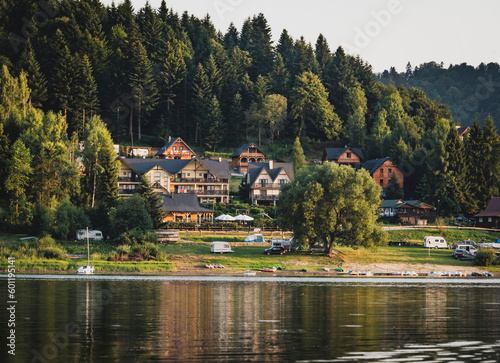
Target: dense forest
(470, 92)
(77, 72)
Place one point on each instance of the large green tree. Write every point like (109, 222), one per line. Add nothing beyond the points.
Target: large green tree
(332, 204)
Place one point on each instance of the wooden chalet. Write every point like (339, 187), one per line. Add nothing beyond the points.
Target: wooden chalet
(381, 170)
(490, 217)
(176, 149)
(264, 181)
(343, 156)
(185, 208)
(462, 130)
(248, 153)
(408, 212)
(207, 179)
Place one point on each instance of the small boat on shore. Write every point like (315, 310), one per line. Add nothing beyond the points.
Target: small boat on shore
(273, 269)
(249, 273)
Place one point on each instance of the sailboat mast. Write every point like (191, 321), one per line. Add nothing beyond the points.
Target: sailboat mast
(88, 248)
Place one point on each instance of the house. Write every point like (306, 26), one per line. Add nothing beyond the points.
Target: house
(490, 217)
(264, 181)
(185, 208)
(407, 212)
(343, 156)
(248, 153)
(207, 179)
(381, 170)
(175, 149)
(462, 130)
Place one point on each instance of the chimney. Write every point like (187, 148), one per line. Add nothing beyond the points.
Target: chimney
(169, 138)
(271, 165)
(220, 160)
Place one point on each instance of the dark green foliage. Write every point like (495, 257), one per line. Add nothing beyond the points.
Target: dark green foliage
(486, 257)
(130, 214)
(153, 202)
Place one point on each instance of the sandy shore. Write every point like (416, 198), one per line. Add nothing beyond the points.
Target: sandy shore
(389, 268)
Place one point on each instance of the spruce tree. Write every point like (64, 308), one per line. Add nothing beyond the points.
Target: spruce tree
(298, 157)
(36, 79)
(213, 124)
(86, 97)
(153, 202)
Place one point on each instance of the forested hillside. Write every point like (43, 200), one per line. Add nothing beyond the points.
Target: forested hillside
(470, 92)
(153, 73)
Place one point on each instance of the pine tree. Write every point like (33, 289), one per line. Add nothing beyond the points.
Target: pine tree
(202, 95)
(86, 97)
(143, 84)
(213, 124)
(280, 78)
(298, 157)
(153, 202)
(36, 79)
(63, 77)
(490, 161)
(322, 53)
(231, 38)
(474, 149)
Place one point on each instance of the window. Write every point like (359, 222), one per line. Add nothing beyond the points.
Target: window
(180, 148)
(263, 192)
(282, 181)
(381, 170)
(348, 155)
(390, 170)
(480, 219)
(174, 148)
(490, 219)
(157, 177)
(200, 188)
(263, 182)
(381, 182)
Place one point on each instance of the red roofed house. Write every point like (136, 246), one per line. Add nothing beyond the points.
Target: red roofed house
(490, 217)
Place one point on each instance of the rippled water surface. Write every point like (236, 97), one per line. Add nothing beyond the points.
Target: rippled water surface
(61, 318)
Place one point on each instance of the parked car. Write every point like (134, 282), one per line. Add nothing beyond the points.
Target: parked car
(460, 253)
(464, 243)
(275, 250)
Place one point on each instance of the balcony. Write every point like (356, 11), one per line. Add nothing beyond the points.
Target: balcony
(127, 191)
(276, 186)
(265, 197)
(206, 192)
(125, 179)
(198, 180)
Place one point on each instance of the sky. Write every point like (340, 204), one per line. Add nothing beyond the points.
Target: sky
(385, 33)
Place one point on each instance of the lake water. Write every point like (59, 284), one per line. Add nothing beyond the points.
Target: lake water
(101, 318)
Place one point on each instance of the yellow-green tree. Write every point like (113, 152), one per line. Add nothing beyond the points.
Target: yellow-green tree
(331, 204)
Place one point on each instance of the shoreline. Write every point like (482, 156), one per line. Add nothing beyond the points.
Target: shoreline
(377, 270)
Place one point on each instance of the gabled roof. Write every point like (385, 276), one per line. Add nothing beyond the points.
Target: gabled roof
(218, 168)
(182, 203)
(391, 203)
(373, 165)
(419, 204)
(333, 153)
(492, 210)
(244, 147)
(462, 130)
(255, 170)
(142, 166)
(167, 146)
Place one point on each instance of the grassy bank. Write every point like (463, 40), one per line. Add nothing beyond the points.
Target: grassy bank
(193, 254)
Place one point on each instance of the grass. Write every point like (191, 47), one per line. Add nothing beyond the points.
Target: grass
(196, 254)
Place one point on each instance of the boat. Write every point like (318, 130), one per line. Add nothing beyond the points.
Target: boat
(249, 273)
(86, 270)
(435, 274)
(273, 269)
(398, 273)
(366, 273)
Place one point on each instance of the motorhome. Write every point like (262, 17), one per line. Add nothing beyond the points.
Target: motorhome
(81, 234)
(220, 247)
(279, 242)
(435, 242)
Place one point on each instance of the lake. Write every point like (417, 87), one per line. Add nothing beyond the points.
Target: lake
(103, 318)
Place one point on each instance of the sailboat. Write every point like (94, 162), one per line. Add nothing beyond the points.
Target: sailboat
(86, 270)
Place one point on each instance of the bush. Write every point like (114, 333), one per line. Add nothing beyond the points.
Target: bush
(149, 250)
(45, 242)
(485, 257)
(123, 249)
(136, 237)
(55, 252)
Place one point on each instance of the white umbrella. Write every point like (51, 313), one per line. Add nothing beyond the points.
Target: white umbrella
(225, 217)
(243, 217)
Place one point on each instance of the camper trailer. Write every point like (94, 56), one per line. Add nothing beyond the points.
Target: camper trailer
(279, 242)
(435, 242)
(220, 247)
(81, 234)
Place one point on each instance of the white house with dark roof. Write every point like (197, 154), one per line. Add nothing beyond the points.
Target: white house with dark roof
(264, 181)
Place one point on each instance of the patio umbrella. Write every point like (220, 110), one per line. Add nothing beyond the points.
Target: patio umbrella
(243, 217)
(225, 217)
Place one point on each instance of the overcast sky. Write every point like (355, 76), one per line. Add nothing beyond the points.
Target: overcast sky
(384, 33)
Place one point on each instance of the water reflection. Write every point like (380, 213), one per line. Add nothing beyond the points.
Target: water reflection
(157, 318)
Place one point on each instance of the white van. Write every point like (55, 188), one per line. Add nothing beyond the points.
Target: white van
(81, 234)
(435, 242)
(220, 247)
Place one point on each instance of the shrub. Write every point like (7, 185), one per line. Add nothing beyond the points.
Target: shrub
(136, 236)
(149, 250)
(123, 249)
(45, 242)
(55, 252)
(486, 257)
